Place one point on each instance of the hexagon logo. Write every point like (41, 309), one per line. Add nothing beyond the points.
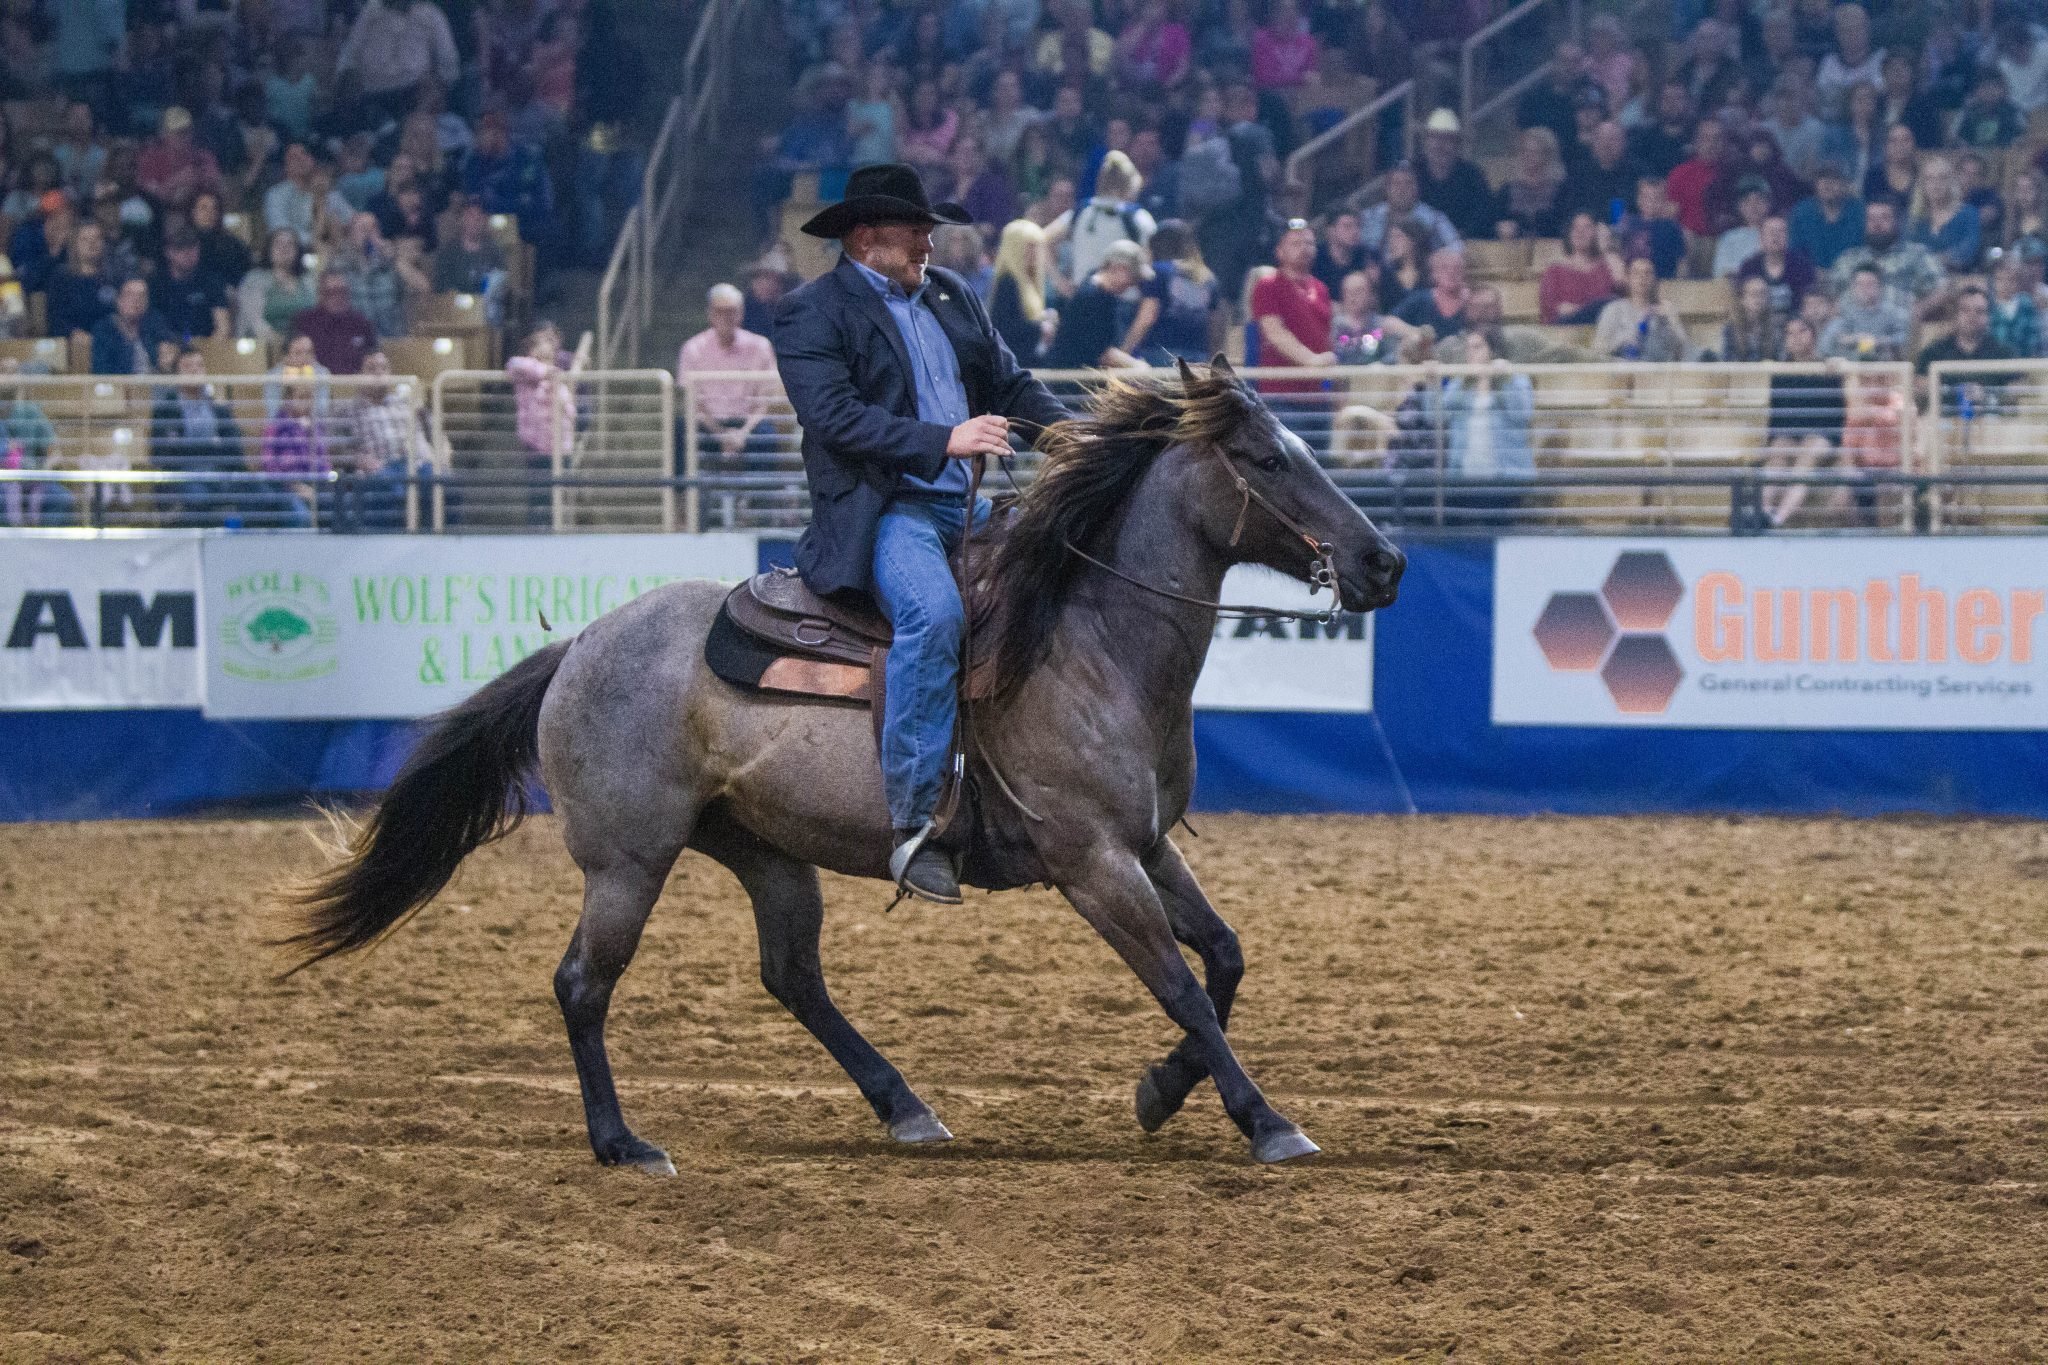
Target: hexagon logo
(1574, 631)
(1642, 590)
(1642, 675)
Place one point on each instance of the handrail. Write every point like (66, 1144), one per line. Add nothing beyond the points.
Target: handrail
(1470, 109)
(656, 202)
(1403, 94)
(625, 300)
(612, 332)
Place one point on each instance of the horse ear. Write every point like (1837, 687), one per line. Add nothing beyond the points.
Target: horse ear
(1219, 367)
(1187, 376)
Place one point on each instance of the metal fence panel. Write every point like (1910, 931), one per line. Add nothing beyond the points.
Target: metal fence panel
(193, 450)
(583, 451)
(1612, 448)
(1987, 429)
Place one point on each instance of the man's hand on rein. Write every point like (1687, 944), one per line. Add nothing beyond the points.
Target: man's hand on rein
(979, 436)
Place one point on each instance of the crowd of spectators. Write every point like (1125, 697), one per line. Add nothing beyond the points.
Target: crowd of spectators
(1863, 178)
(299, 174)
(1722, 139)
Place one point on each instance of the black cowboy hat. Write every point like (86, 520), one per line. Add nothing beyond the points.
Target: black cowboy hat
(889, 193)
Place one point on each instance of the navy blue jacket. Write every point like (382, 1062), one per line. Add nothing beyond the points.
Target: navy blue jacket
(848, 376)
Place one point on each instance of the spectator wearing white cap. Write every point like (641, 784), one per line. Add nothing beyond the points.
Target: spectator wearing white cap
(1449, 182)
(174, 167)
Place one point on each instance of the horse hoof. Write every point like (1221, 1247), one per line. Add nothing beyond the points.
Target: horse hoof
(640, 1156)
(922, 1127)
(1154, 1109)
(1284, 1145)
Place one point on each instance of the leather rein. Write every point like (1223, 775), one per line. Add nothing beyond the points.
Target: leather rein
(1322, 567)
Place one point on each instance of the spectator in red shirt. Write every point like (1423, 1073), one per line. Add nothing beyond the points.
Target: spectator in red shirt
(174, 167)
(1283, 50)
(1693, 178)
(1586, 276)
(1292, 309)
(341, 336)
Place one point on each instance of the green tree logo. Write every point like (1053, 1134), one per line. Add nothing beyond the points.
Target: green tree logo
(276, 627)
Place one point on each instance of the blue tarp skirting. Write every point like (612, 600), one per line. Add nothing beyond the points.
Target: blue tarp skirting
(1430, 744)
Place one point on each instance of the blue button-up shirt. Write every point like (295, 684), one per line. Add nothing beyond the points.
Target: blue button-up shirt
(935, 373)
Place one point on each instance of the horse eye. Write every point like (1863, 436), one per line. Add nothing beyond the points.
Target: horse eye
(1270, 463)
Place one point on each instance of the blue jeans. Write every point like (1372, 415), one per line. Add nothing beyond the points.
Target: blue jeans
(914, 586)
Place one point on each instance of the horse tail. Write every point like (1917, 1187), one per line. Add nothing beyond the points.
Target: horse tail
(463, 786)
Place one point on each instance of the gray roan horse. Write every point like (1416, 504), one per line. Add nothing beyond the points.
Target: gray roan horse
(645, 753)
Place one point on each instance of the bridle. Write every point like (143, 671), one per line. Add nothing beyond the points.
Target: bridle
(1322, 565)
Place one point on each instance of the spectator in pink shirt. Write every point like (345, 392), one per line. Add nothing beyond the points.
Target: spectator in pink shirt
(1153, 50)
(546, 413)
(1283, 50)
(174, 167)
(729, 413)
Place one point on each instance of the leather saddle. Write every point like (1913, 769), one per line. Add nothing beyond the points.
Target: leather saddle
(775, 635)
(802, 644)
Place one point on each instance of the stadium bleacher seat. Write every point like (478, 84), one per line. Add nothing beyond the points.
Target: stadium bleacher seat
(1518, 299)
(1498, 260)
(426, 357)
(460, 316)
(234, 355)
(53, 353)
(1697, 300)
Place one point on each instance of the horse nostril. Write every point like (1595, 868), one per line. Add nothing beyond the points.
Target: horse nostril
(1385, 560)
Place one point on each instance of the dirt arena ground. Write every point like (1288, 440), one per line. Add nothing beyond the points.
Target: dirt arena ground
(1606, 1089)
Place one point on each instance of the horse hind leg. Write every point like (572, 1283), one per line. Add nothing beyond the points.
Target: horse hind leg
(789, 912)
(617, 898)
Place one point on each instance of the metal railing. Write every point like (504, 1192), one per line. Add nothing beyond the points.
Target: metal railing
(1531, 23)
(184, 450)
(1617, 448)
(1609, 447)
(554, 452)
(1362, 123)
(1987, 418)
(689, 129)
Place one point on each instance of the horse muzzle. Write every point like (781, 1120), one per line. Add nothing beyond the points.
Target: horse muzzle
(1375, 580)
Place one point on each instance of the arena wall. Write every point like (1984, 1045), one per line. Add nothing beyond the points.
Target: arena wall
(1667, 696)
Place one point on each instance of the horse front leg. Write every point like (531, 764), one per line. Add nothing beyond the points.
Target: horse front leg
(1164, 1088)
(1113, 893)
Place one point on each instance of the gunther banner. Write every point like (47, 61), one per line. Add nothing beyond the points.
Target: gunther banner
(342, 627)
(99, 623)
(1876, 633)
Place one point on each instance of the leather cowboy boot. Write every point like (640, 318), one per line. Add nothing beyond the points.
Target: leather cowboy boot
(922, 868)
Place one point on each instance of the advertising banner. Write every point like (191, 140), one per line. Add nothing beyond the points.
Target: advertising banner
(1268, 663)
(1874, 633)
(340, 627)
(99, 623)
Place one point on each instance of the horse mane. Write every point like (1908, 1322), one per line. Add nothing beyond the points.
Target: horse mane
(1091, 465)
